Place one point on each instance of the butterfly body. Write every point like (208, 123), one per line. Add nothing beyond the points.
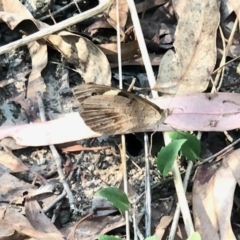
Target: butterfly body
(113, 111)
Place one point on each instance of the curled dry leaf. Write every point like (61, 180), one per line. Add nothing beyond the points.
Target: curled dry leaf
(187, 69)
(38, 50)
(212, 207)
(87, 58)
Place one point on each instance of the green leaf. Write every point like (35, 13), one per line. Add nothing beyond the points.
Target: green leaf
(106, 237)
(116, 196)
(195, 236)
(167, 155)
(191, 148)
(151, 238)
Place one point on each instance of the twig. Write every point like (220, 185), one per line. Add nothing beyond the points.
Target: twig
(57, 158)
(58, 199)
(103, 5)
(222, 63)
(75, 1)
(219, 153)
(151, 79)
(123, 139)
(66, 7)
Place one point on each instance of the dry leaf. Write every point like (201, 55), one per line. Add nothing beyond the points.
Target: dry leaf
(123, 14)
(128, 51)
(236, 7)
(9, 13)
(87, 58)
(39, 220)
(12, 162)
(187, 69)
(198, 112)
(211, 208)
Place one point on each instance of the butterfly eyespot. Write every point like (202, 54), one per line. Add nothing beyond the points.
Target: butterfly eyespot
(94, 94)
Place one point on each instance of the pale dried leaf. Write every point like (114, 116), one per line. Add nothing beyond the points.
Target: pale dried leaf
(187, 69)
(162, 226)
(211, 208)
(198, 112)
(123, 14)
(236, 7)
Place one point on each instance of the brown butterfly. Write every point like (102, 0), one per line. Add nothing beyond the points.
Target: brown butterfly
(111, 111)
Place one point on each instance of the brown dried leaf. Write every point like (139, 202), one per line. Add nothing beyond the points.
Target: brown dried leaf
(24, 230)
(39, 220)
(187, 70)
(12, 162)
(78, 147)
(128, 51)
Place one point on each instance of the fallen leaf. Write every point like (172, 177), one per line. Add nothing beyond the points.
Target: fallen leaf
(148, 4)
(211, 208)
(236, 7)
(87, 58)
(28, 231)
(39, 220)
(197, 113)
(128, 51)
(187, 69)
(123, 14)
(12, 162)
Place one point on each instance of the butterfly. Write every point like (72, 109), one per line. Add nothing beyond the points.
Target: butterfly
(111, 111)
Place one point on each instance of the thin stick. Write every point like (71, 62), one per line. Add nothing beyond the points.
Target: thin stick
(57, 158)
(151, 79)
(222, 63)
(64, 8)
(103, 5)
(123, 139)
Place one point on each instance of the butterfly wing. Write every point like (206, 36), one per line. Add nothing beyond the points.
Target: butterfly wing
(84, 91)
(113, 111)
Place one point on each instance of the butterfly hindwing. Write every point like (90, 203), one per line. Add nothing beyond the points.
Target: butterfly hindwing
(112, 111)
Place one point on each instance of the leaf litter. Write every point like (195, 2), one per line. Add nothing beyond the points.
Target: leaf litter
(196, 112)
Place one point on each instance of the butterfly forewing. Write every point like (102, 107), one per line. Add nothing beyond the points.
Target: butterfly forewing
(84, 91)
(112, 111)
